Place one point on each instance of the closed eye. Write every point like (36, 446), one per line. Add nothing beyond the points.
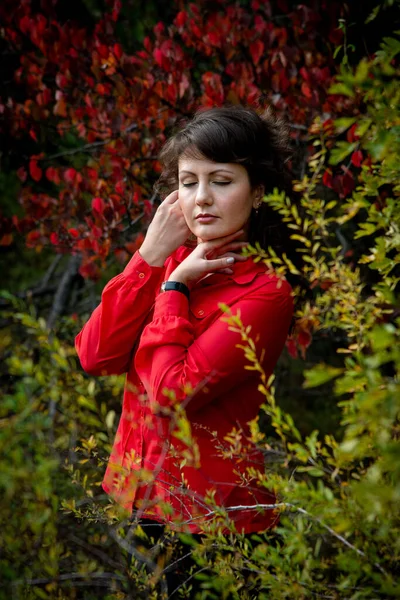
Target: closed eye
(191, 183)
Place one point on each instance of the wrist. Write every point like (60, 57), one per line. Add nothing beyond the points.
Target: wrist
(152, 257)
(178, 277)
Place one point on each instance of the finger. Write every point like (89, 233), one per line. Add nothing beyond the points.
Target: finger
(237, 257)
(225, 271)
(220, 254)
(171, 198)
(220, 263)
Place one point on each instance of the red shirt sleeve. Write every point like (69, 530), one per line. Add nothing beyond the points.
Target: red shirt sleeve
(105, 343)
(169, 357)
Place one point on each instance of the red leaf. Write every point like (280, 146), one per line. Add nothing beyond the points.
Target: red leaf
(54, 239)
(6, 240)
(92, 174)
(351, 134)
(306, 90)
(96, 232)
(52, 175)
(120, 187)
(61, 80)
(348, 184)
(256, 50)
(21, 173)
(33, 135)
(304, 340)
(73, 232)
(327, 178)
(292, 348)
(32, 238)
(118, 51)
(158, 56)
(305, 74)
(89, 270)
(103, 51)
(34, 170)
(98, 205)
(70, 175)
(133, 246)
(357, 158)
(181, 18)
(159, 28)
(25, 24)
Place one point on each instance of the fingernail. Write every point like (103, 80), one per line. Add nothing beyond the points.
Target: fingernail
(230, 260)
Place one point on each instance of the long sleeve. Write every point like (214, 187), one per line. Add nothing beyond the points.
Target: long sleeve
(105, 343)
(169, 357)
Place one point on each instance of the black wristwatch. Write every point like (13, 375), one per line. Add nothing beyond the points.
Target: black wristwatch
(176, 286)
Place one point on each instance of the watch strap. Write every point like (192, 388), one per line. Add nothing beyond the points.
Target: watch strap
(176, 286)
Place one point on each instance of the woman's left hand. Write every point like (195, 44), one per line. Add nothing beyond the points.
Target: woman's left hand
(214, 256)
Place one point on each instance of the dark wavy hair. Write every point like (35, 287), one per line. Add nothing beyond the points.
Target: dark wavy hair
(236, 134)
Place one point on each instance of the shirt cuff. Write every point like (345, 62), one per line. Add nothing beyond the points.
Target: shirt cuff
(172, 303)
(139, 271)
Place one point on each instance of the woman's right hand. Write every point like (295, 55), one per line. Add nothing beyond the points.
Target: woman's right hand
(167, 231)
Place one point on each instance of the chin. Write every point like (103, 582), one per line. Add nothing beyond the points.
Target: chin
(209, 232)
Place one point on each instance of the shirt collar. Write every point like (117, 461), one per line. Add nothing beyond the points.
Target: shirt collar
(243, 272)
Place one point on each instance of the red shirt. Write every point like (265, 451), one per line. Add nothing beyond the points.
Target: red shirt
(164, 341)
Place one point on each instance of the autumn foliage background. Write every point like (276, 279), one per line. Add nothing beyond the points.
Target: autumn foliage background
(88, 95)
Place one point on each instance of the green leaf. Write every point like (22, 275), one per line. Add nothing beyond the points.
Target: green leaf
(337, 50)
(372, 15)
(344, 123)
(362, 72)
(341, 151)
(320, 374)
(365, 229)
(341, 89)
(363, 127)
(390, 47)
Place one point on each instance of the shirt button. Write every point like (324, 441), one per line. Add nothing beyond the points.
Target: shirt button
(200, 312)
(141, 275)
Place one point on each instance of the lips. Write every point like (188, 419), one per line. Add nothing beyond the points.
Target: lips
(206, 215)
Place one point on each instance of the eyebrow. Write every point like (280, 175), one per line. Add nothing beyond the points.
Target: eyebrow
(211, 172)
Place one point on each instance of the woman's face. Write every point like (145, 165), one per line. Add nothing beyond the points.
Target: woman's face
(221, 190)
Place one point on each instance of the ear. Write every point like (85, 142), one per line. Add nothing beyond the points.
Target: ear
(258, 194)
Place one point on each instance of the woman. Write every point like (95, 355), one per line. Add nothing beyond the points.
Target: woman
(160, 322)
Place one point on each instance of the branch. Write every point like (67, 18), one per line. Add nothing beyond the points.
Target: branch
(64, 289)
(67, 577)
(99, 553)
(303, 512)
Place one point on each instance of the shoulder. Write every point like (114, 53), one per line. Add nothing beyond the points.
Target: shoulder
(256, 277)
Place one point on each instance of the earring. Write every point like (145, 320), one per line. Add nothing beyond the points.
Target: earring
(257, 208)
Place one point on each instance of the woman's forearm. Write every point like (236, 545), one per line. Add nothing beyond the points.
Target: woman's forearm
(105, 343)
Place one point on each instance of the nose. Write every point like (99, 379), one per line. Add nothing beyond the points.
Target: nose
(203, 194)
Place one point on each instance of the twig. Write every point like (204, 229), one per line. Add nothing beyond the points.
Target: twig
(303, 512)
(130, 548)
(99, 553)
(66, 577)
(186, 581)
(43, 284)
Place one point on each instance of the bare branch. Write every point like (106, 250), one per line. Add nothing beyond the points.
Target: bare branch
(64, 289)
